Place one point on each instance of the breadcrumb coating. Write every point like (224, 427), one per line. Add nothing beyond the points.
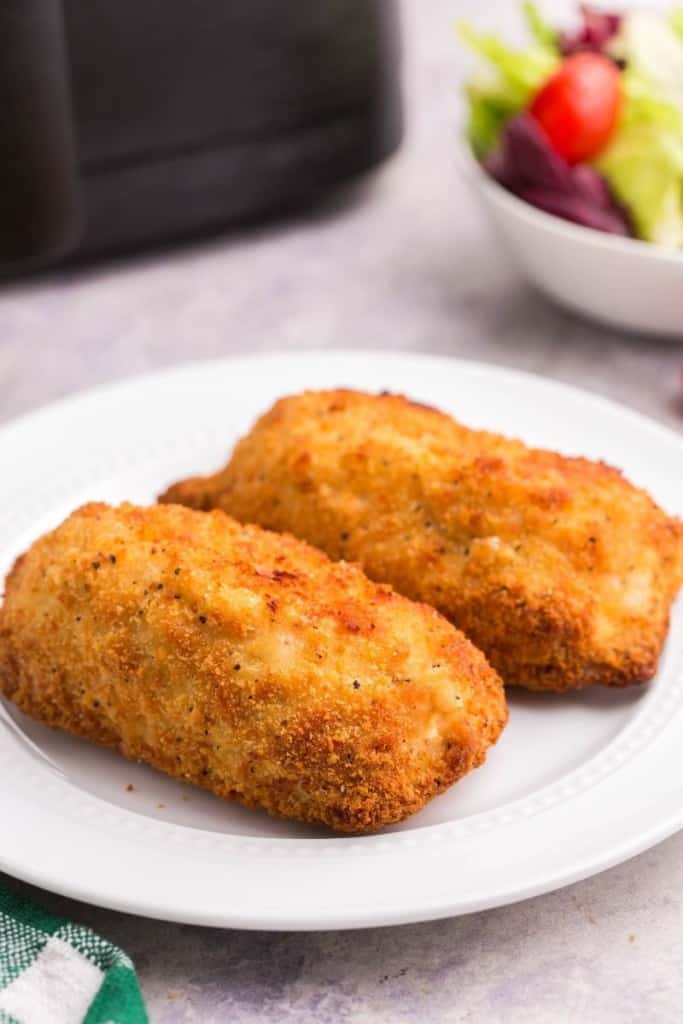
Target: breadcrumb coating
(559, 569)
(245, 662)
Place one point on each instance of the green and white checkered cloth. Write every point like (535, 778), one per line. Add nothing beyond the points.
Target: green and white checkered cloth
(55, 972)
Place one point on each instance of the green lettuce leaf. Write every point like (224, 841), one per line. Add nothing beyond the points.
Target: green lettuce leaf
(644, 161)
(541, 30)
(504, 88)
(645, 173)
(676, 21)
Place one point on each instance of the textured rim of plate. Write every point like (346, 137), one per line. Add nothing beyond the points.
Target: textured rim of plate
(651, 721)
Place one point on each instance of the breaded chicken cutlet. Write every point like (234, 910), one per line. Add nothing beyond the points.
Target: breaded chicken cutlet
(561, 571)
(245, 662)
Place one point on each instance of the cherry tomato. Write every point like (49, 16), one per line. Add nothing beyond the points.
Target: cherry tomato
(579, 106)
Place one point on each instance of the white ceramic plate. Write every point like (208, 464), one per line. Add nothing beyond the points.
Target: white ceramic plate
(576, 784)
(622, 282)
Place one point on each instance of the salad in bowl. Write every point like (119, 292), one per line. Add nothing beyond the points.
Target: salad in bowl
(586, 125)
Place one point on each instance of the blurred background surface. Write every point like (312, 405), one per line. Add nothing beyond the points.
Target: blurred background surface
(403, 260)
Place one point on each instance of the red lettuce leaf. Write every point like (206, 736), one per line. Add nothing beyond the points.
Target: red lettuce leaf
(594, 34)
(526, 165)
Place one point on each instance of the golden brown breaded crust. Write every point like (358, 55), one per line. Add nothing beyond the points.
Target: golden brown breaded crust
(245, 662)
(561, 571)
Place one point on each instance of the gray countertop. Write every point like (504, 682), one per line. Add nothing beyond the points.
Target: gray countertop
(403, 262)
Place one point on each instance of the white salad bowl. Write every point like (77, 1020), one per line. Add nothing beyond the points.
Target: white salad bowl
(625, 283)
